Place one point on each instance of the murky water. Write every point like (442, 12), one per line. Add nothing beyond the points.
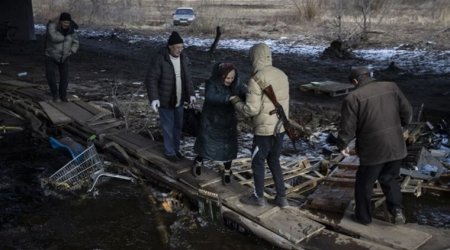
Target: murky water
(32, 216)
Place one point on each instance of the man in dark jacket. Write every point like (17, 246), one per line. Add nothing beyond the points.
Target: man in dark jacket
(60, 43)
(375, 113)
(169, 85)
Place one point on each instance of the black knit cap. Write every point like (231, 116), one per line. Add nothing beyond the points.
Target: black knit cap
(174, 38)
(65, 17)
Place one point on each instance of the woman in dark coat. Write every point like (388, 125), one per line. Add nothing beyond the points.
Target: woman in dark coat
(217, 137)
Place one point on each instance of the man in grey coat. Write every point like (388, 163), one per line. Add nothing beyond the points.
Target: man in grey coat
(375, 114)
(61, 42)
(169, 85)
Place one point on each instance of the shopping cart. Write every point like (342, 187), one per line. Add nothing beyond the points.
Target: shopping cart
(79, 170)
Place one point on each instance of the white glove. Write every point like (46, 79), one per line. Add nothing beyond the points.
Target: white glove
(346, 151)
(155, 105)
(192, 99)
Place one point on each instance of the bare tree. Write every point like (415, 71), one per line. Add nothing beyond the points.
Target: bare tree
(339, 14)
(365, 7)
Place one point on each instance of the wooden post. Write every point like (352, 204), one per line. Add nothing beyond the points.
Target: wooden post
(216, 41)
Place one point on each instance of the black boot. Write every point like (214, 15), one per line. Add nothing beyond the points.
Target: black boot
(227, 174)
(197, 168)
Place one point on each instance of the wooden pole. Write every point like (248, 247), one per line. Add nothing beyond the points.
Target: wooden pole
(213, 47)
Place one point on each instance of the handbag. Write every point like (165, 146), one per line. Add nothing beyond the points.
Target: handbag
(191, 121)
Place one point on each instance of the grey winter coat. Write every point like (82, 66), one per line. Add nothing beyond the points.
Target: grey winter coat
(374, 113)
(217, 135)
(161, 80)
(59, 46)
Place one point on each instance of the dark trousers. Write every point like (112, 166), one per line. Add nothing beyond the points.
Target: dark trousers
(171, 123)
(366, 176)
(50, 71)
(267, 148)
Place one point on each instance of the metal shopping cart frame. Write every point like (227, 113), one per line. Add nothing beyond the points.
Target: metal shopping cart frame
(86, 166)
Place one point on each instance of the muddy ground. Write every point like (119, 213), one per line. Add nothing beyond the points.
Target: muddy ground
(106, 61)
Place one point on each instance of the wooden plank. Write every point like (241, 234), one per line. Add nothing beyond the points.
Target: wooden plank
(289, 223)
(259, 230)
(251, 212)
(286, 222)
(55, 116)
(73, 111)
(234, 189)
(327, 239)
(17, 84)
(345, 173)
(123, 142)
(395, 236)
(330, 198)
(347, 182)
(330, 87)
(87, 106)
(104, 127)
(303, 187)
(102, 121)
(206, 176)
(35, 94)
(136, 139)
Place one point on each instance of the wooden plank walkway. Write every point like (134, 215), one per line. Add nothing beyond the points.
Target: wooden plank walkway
(55, 116)
(290, 227)
(395, 236)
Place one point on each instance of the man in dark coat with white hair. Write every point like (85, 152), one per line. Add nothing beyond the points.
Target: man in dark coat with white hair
(375, 114)
(169, 85)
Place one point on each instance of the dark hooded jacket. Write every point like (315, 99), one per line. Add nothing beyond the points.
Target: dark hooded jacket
(374, 113)
(161, 80)
(217, 135)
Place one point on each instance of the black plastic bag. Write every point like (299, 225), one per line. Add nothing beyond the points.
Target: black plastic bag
(191, 121)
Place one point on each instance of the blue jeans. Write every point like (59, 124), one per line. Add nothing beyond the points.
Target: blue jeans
(267, 148)
(171, 122)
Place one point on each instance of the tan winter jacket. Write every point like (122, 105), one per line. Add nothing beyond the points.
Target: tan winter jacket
(258, 105)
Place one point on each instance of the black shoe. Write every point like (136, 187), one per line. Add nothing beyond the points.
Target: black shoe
(253, 200)
(172, 158)
(226, 177)
(197, 168)
(353, 216)
(280, 201)
(180, 155)
(399, 217)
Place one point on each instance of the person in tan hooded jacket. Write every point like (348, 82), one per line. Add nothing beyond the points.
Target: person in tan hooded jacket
(268, 137)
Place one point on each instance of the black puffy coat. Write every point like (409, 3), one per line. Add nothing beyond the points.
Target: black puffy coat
(160, 79)
(217, 135)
